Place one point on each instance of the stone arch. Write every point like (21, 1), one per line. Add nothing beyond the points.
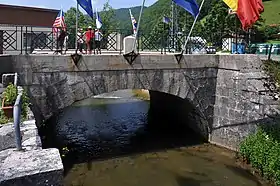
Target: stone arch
(53, 91)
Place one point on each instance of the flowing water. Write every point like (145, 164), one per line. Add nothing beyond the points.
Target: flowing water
(114, 142)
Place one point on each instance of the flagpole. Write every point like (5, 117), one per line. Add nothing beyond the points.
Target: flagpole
(189, 35)
(131, 19)
(137, 29)
(77, 19)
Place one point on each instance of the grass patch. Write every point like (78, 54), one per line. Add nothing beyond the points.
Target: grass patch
(139, 93)
(271, 12)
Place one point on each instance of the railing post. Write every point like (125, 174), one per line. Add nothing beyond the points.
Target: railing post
(21, 40)
(16, 113)
(16, 79)
(26, 35)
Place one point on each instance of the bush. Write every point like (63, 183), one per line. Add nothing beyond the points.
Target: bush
(10, 96)
(262, 151)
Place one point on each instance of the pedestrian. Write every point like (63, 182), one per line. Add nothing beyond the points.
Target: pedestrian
(65, 42)
(98, 37)
(80, 41)
(60, 40)
(89, 40)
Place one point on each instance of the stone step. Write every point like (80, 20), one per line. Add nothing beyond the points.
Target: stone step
(34, 167)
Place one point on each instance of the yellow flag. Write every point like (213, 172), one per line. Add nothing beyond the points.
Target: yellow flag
(232, 4)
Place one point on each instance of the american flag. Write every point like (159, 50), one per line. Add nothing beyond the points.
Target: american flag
(134, 23)
(59, 22)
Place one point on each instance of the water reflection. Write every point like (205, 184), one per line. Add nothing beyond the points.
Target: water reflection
(115, 142)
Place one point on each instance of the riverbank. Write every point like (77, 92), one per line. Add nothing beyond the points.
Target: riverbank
(204, 165)
(141, 94)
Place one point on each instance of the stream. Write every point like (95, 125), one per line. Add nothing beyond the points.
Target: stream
(114, 140)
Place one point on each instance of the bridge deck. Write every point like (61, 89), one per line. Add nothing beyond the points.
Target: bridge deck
(108, 52)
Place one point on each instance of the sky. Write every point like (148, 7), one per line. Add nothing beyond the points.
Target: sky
(66, 4)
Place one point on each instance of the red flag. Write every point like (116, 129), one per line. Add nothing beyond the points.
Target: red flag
(249, 12)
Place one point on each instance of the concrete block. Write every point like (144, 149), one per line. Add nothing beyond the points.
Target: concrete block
(128, 44)
(29, 134)
(35, 167)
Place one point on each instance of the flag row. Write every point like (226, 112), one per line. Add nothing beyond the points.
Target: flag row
(248, 11)
(87, 6)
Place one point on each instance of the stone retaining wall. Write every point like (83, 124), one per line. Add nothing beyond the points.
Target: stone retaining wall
(242, 102)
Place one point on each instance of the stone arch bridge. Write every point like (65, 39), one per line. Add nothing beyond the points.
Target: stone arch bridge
(224, 89)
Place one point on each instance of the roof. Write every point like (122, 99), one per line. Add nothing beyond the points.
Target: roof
(31, 16)
(28, 8)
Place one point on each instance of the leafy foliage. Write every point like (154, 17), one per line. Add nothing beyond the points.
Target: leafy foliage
(262, 151)
(270, 31)
(107, 16)
(3, 119)
(123, 18)
(219, 19)
(10, 96)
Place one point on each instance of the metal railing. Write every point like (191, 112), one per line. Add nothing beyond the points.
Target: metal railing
(16, 116)
(26, 40)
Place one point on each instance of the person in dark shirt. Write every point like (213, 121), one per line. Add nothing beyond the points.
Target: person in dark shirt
(60, 40)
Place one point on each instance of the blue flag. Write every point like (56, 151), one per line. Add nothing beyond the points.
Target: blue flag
(166, 20)
(87, 6)
(189, 5)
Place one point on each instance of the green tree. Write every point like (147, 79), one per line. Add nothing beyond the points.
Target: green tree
(70, 20)
(218, 23)
(107, 17)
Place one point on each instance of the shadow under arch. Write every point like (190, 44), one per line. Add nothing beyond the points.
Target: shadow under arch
(181, 112)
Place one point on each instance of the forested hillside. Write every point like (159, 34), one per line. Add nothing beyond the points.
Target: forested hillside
(153, 14)
(123, 18)
(214, 18)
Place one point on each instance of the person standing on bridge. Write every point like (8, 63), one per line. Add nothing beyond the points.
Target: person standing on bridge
(80, 40)
(60, 40)
(98, 37)
(89, 40)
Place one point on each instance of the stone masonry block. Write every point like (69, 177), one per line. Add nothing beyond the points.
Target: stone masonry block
(43, 167)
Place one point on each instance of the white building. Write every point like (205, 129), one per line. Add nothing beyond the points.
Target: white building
(23, 29)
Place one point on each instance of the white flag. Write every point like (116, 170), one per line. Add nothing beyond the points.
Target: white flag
(98, 21)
